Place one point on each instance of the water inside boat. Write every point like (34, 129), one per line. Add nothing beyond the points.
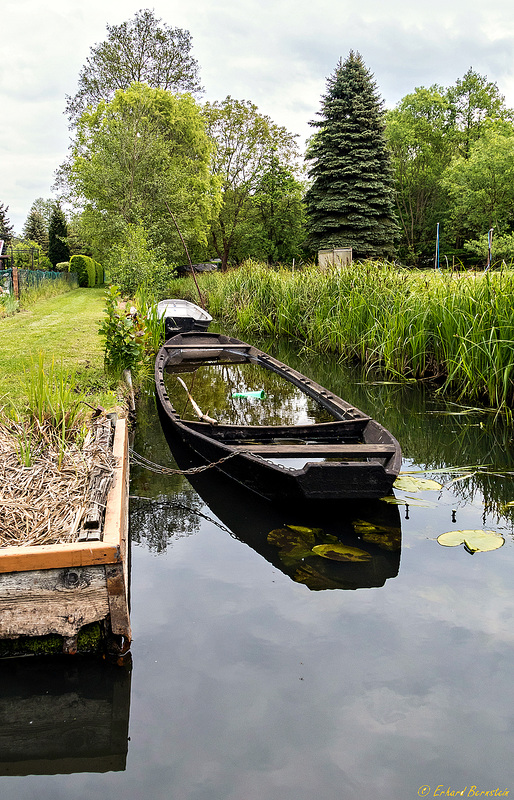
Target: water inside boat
(213, 384)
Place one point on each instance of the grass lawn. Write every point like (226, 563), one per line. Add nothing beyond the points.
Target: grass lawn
(63, 328)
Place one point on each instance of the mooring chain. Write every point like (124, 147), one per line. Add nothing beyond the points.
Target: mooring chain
(141, 461)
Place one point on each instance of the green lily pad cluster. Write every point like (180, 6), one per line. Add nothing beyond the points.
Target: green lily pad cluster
(297, 543)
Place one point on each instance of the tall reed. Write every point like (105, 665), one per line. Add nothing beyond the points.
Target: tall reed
(457, 327)
(55, 408)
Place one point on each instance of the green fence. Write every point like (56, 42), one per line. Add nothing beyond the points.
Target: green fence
(33, 278)
(5, 281)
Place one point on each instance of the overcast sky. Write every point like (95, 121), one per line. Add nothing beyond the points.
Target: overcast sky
(276, 53)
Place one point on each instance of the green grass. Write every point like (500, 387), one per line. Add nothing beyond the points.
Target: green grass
(64, 328)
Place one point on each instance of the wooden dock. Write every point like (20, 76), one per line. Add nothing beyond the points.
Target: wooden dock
(70, 590)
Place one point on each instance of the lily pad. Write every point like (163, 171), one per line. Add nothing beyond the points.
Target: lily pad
(407, 501)
(314, 579)
(340, 552)
(361, 527)
(409, 484)
(286, 538)
(474, 541)
(386, 541)
(303, 531)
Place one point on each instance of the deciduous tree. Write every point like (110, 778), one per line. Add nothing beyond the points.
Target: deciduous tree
(350, 201)
(132, 158)
(141, 50)
(481, 187)
(245, 142)
(419, 133)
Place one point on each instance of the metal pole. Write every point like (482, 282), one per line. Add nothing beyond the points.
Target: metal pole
(489, 248)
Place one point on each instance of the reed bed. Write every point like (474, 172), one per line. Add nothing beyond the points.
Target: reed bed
(455, 327)
(44, 503)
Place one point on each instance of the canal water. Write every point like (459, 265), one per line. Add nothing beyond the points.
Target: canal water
(260, 673)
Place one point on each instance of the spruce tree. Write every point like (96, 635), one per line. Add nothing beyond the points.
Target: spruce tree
(58, 250)
(6, 229)
(350, 202)
(35, 229)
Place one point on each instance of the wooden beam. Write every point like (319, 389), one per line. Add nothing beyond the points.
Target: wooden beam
(49, 556)
(319, 450)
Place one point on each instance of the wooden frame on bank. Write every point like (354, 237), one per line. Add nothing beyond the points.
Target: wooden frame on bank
(60, 588)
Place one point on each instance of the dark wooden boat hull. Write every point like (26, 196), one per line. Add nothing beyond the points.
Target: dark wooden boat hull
(368, 456)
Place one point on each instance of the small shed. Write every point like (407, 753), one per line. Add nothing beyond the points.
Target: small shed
(334, 257)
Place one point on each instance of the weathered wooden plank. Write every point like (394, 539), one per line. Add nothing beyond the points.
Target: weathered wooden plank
(61, 601)
(73, 554)
(116, 530)
(118, 603)
(318, 450)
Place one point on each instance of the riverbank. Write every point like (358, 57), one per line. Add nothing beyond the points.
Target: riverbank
(64, 328)
(453, 328)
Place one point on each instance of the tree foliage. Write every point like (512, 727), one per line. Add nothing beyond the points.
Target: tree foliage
(246, 144)
(58, 249)
(431, 133)
(473, 100)
(6, 229)
(419, 133)
(350, 201)
(135, 157)
(481, 186)
(141, 50)
(36, 228)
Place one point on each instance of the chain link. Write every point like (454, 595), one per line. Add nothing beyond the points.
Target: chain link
(141, 461)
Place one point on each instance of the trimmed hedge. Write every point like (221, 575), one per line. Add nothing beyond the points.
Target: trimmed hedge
(89, 272)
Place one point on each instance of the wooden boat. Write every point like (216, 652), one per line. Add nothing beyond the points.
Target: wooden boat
(182, 315)
(348, 456)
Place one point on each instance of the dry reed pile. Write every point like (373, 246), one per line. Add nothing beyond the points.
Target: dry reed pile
(45, 503)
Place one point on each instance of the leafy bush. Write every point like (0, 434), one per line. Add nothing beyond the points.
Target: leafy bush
(132, 265)
(29, 255)
(124, 335)
(63, 266)
(502, 248)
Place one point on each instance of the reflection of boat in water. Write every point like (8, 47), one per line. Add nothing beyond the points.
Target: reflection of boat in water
(60, 715)
(344, 454)
(372, 527)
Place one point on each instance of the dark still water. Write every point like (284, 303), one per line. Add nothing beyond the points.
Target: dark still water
(262, 674)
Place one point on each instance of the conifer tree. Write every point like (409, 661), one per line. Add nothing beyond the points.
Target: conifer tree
(350, 202)
(6, 229)
(35, 229)
(58, 250)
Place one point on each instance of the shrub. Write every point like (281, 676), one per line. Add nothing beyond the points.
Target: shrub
(63, 266)
(132, 265)
(99, 273)
(84, 267)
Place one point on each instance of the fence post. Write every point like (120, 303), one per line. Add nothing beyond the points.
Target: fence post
(15, 286)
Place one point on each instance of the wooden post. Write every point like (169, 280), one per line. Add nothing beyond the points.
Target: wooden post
(15, 285)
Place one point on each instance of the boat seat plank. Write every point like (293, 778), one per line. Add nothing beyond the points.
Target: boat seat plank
(207, 347)
(331, 450)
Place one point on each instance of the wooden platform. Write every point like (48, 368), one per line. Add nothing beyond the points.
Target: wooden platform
(58, 589)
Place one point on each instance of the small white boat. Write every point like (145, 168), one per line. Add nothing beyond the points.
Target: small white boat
(181, 315)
